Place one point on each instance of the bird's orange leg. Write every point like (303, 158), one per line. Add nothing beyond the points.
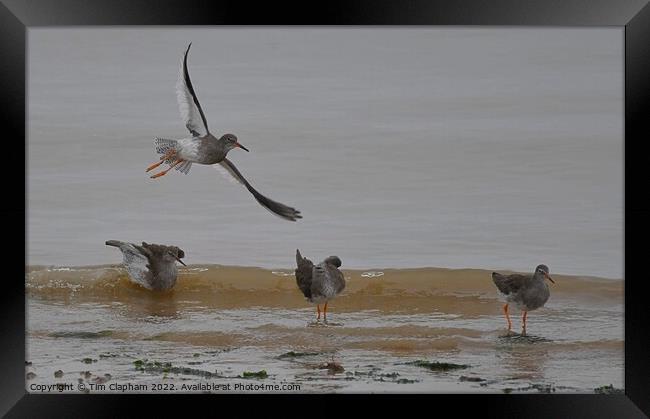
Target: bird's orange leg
(524, 322)
(318, 310)
(166, 156)
(325, 312)
(505, 310)
(164, 172)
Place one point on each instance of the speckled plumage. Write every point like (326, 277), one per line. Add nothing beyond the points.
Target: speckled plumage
(319, 283)
(526, 292)
(152, 266)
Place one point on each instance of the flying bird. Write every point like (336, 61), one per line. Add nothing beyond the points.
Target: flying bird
(152, 266)
(527, 292)
(319, 283)
(204, 148)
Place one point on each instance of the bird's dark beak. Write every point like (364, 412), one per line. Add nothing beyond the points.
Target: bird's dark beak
(241, 146)
(180, 261)
(548, 277)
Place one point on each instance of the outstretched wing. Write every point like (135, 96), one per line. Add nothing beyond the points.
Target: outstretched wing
(277, 208)
(136, 264)
(188, 103)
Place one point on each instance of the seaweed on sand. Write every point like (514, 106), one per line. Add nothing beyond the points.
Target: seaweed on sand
(610, 389)
(166, 367)
(471, 379)
(82, 334)
(292, 354)
(437, 366)
(259, 374)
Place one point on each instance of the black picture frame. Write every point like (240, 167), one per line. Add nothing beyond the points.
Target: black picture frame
(16, 16)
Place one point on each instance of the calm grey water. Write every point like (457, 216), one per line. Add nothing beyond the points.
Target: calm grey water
(495, 148)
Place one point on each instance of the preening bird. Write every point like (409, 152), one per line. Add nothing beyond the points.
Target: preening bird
(319, 283)
(152, 266)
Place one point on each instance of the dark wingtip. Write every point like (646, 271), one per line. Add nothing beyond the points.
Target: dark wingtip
(295, 216)
(290, 214)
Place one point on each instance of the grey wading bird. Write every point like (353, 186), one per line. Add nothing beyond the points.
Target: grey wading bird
(319, 283)
(526, 292)
(152, 266)
(203, 147)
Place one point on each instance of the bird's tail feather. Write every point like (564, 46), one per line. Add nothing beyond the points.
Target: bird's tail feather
(303, 262)
(184, 167)
(163, 145)
(115, 243)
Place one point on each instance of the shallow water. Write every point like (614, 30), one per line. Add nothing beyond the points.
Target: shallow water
(220, 322)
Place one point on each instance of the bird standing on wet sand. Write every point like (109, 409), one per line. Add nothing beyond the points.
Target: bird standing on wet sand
(204, 148)
(527, 292)
(319, 283)
(152, 266)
